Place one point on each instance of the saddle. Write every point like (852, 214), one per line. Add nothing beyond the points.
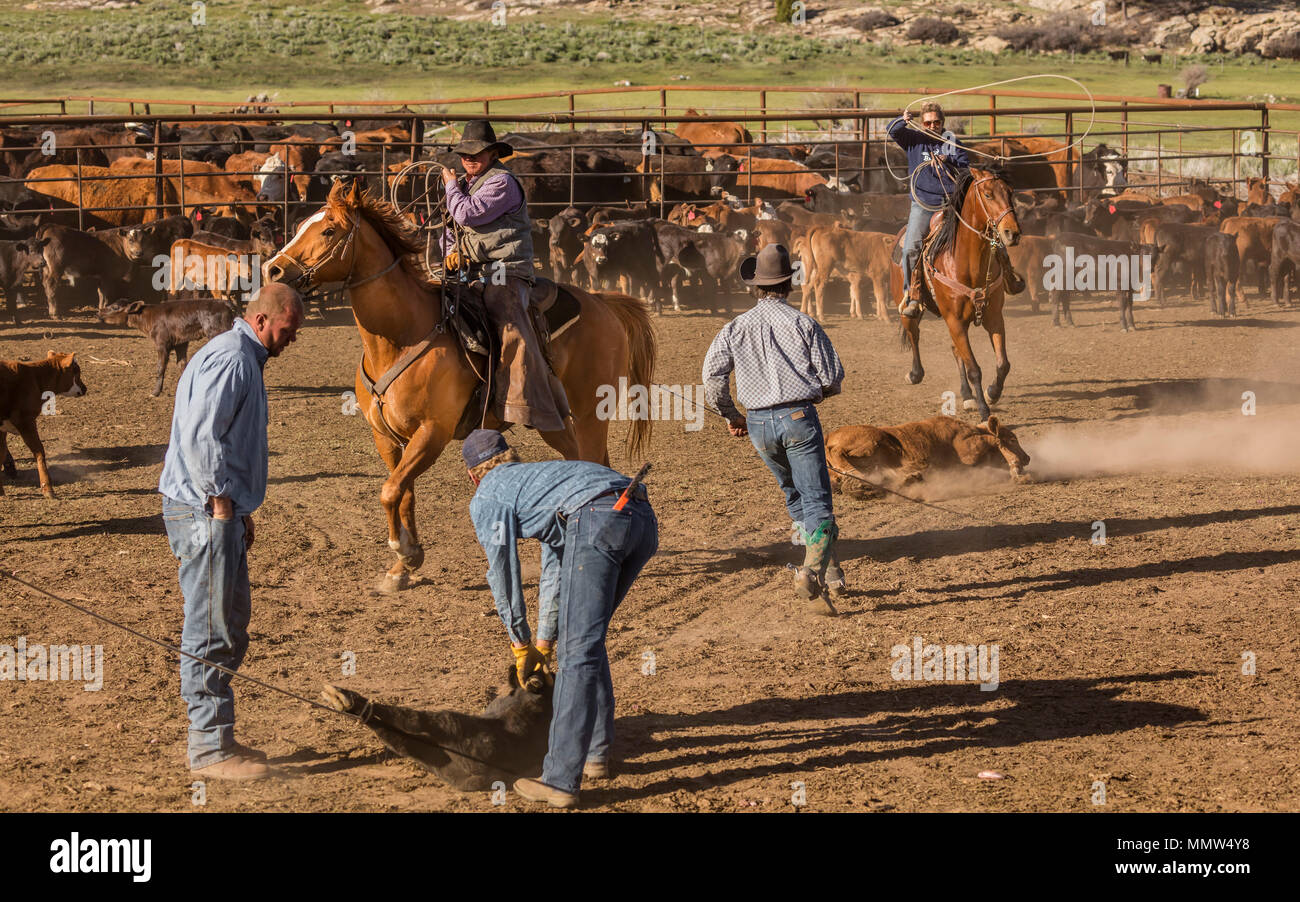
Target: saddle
(552, 308)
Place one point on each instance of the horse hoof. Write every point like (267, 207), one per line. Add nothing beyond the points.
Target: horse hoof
(969, 404)
(915, 378)
(990, 397)
(390, 583)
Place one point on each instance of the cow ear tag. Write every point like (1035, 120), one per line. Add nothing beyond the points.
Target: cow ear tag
(1111, 208)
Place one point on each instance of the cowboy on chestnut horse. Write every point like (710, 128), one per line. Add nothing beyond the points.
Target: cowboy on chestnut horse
(934, 159)
(492, 239)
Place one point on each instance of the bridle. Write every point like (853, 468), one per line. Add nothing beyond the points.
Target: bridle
(336, 252)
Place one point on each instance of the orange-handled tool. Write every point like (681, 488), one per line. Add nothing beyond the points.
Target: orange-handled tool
(631, 487)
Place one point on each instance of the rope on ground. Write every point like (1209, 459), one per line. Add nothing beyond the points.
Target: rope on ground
(360, 718)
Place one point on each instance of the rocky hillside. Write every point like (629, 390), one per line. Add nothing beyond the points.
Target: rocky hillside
(1270, 28)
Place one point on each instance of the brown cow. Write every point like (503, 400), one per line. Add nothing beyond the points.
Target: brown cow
(300, 156)
(1257, 191)
(899, 455)
(702, 134)
(25, 389)
(1254, 236)
(195, 266)
(246, 167)
(766, 177)
(101, 188)
(206, 178)
(858, 257)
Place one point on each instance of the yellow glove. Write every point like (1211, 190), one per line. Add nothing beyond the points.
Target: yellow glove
(452, 262)
(527, 661)
(549, 655)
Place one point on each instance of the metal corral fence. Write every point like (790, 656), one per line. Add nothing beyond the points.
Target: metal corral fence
(1224, 143)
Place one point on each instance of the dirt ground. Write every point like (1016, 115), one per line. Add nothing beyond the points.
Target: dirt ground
(1119, 664)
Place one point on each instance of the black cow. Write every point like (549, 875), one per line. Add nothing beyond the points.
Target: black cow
(1223, 274)
(1072, 246)
(1285, 262)
(564, 237)
(1180, 246)
(94, 272)
(627, 253)
(598, 177)
(206, 221)
(825, 199)
(17, 259)
(711, 261)
(470, 753)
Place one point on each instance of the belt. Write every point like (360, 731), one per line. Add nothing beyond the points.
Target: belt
(803, 403)
(640, 494)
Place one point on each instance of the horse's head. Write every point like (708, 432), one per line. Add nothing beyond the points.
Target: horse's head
(323, 250)
(995, 209)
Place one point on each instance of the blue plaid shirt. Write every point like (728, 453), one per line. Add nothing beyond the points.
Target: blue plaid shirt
(779, 355)
(520, 501)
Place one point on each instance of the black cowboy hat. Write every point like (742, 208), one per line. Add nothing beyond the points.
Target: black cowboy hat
(478, 137)
(770, 266)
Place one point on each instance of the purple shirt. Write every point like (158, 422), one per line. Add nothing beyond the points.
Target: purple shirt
(497, 196)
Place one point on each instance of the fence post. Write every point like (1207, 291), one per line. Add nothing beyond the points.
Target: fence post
(663, 178)
(1123, 124)
(417, 138)
(762, 109)
(573, 126)
(1263, 128)
(573, 153)
(1234, 162)
(157, 167)
(993, 116)
(663, 105)
(181, 165)
(1160, 167)
(81, 204)
(1069, 151)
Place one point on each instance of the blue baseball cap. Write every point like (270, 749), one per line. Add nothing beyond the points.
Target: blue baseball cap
(482, 444)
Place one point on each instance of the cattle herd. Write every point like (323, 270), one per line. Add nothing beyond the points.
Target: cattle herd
(164, 227)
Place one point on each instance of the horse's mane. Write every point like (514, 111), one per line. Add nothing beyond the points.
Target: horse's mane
(948, 227)
(398, 233)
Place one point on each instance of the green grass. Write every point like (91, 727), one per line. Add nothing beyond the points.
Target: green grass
(338, 51)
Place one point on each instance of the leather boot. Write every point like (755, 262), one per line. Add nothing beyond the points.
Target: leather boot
(834, 576)
(1014, 281)
(808, 578)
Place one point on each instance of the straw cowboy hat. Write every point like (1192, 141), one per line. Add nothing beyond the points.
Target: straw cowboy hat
(770, 266)
(478, 137)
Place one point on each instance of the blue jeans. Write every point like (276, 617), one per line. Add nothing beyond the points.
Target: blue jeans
(789, 440)
(918, 223)
(604, 550)
(218, 603)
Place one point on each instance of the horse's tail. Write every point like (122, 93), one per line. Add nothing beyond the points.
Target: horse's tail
(631, 313)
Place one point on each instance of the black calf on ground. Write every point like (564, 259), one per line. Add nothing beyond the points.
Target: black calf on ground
(470, 753)
(17, 258)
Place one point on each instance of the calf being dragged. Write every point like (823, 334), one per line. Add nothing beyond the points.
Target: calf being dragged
(172, 326)
(901, 454)
(470, 753)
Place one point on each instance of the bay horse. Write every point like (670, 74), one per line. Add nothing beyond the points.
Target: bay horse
(965, 281)
(363, 242)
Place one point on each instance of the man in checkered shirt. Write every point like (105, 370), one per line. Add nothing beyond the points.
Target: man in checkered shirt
(784, 365)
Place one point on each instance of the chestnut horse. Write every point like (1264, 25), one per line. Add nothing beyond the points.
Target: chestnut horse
(364, 243)
(966, 282)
